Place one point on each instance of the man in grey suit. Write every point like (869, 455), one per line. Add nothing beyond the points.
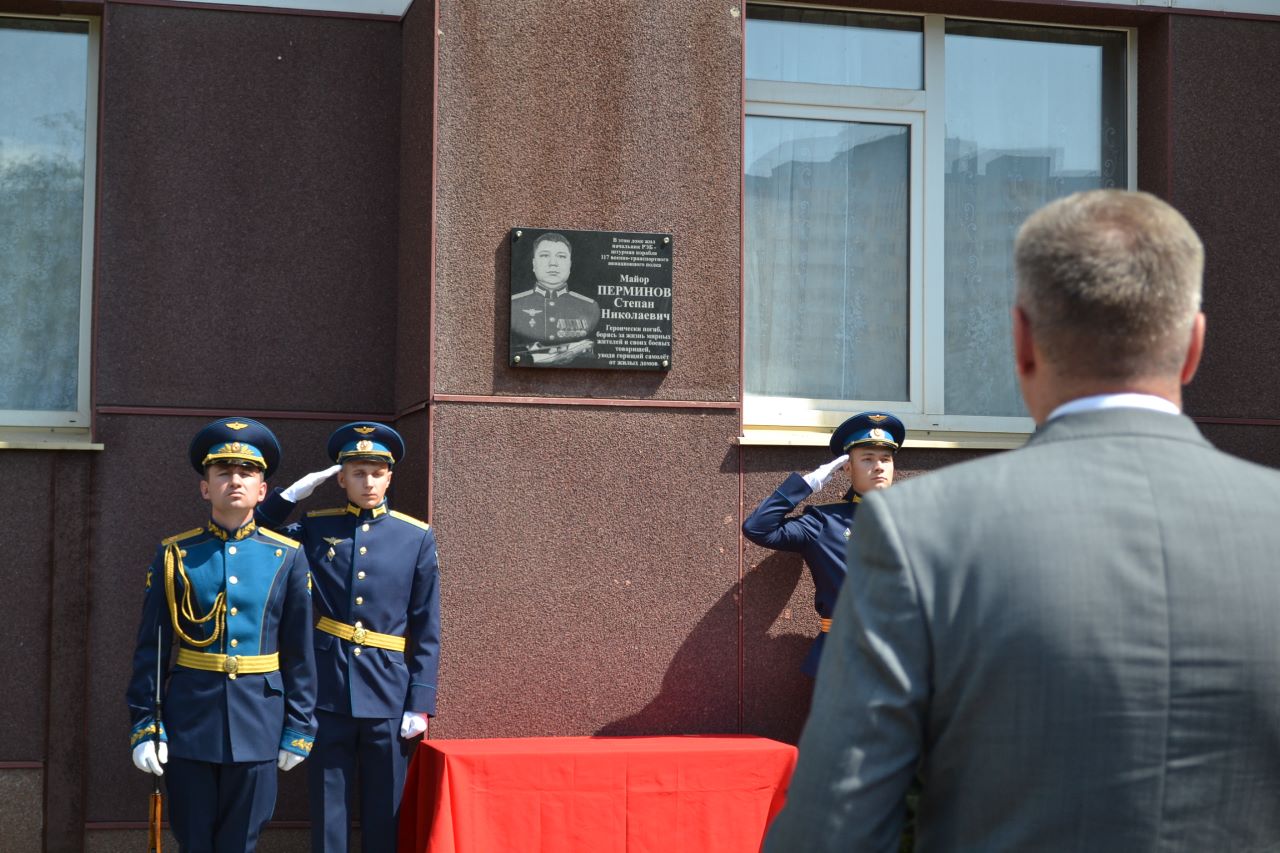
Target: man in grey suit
(1076, 644)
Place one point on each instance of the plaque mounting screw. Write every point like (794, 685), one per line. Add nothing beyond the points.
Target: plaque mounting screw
(666, 363)
(516, 359)
(666, 239)
(519, 233)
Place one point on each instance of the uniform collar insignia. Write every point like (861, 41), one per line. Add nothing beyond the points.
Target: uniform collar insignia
(377, 512)
(222, 533)
(332, 540)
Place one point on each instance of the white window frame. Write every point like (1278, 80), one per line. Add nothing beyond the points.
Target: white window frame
(803, 421)
(19, 424)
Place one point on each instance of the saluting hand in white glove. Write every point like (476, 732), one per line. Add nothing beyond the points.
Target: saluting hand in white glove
(147, 759)
(307, 484)
(820, 476)
(412, 725)
(287, 760)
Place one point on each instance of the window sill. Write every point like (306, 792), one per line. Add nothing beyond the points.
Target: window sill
(17, 438)
(916, 439)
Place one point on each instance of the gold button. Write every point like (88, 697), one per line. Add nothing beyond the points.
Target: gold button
(234, 611)
(182, 553)
(360, 576)
(231, 550)
(235, 643)
(365, 527)
(359, 599)
(355, 652)
(233, 579)
(279, 553)
(364, 550)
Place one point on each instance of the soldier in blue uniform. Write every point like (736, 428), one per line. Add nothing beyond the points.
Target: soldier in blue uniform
(239, 701)
(377, 639)
(551, 324)
(864, 447)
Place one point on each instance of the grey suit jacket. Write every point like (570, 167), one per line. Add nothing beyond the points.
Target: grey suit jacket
(1075, 644)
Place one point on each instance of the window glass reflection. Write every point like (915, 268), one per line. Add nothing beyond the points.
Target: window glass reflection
(1032, 114)
(835, 48)
(827, 263)
(43, 68)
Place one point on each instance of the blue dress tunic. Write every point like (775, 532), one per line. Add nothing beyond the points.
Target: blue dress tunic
(820, 534)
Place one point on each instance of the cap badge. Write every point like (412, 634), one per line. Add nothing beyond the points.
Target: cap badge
(235, 447)
(235, 425)
(875, 419)
(364, 445)
(363, 430)
(878, 434)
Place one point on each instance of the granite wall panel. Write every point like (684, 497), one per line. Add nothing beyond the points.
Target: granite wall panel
(589, 565)
(248, 210)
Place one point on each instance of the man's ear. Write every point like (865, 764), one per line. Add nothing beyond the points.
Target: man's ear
(204, 487)
(342, 477)
(1195, 349)
(1024, 349)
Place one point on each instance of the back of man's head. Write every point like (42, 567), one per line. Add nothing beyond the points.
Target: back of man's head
(1110, 282)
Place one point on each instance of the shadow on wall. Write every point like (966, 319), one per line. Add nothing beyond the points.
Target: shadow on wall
(775, 693)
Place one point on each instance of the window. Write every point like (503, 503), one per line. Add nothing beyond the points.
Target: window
(48, 107)
(888, 162)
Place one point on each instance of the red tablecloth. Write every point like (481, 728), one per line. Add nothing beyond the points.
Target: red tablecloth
(594, 795)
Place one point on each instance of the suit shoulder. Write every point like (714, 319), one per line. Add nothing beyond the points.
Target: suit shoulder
(276, 537)
(410, 519)
(186, 534)
(325, 513)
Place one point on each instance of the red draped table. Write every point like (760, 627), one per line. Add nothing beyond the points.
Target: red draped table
(594, 794)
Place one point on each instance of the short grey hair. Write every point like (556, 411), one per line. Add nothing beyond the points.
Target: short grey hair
(1110, 281)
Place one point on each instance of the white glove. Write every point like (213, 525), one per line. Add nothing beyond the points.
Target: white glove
(819, 477)
(412, 725)
(146, 759)
(305, 486)
(287, 760)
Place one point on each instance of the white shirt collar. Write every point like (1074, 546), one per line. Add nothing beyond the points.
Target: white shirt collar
(1116, 401)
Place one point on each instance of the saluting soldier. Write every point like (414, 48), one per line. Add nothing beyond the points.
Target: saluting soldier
(864, 447)
(377, 639)
(553, 323)
(240, 698)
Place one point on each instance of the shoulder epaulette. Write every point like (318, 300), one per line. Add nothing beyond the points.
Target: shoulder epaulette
(411, 520)
(184, 535)
(317, 513)
(523, 293)
(583, 298)
(271, 534)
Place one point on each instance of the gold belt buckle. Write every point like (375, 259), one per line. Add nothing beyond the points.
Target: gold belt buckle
(231, 666)
(358, 635)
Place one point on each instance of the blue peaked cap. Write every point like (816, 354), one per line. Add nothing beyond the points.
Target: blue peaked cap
(875, 428)
(366, 440)
(235, 441)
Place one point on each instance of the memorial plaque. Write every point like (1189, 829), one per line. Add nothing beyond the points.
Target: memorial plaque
(594, 299)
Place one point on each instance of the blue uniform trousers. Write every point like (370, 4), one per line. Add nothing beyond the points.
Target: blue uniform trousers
(375, 747)
(219, 808)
